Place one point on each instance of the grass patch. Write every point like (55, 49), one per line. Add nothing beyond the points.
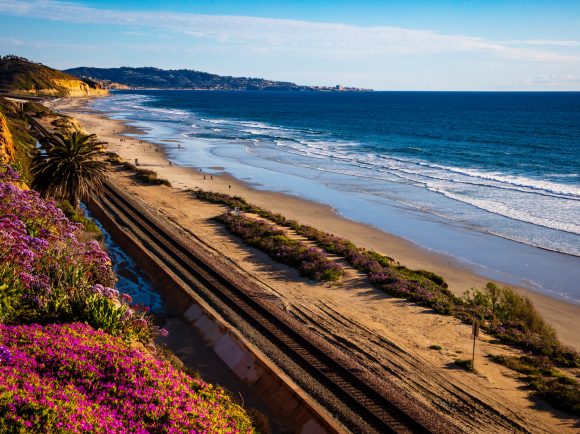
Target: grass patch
(77, 216)
(435, 347)
(144, 175)
(466, 364)
(150, 177)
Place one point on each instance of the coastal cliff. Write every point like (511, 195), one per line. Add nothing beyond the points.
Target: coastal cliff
(72, 88)
(21, 76)
(7, 152)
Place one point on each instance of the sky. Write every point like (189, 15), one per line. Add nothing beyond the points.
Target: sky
(384, 45)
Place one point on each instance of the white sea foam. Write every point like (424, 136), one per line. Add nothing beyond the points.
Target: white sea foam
(215, 121)
(506, 211)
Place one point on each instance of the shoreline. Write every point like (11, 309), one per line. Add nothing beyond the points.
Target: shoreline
(560, 314)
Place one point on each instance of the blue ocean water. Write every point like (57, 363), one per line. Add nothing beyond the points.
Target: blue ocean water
(506, 164)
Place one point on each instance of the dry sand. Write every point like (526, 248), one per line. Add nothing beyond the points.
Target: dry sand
(388, 335)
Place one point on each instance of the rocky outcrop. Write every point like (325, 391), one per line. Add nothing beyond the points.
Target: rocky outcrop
(67, 88)
(7, 151)
(80, 88)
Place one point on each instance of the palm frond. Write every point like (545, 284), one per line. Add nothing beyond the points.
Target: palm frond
(68, 166)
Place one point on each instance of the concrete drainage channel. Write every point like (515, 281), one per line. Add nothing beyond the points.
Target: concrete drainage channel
(287, 402)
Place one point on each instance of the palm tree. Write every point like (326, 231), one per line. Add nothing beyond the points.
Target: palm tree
(67, 167)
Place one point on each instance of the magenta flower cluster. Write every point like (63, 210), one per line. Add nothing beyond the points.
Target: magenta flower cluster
(72, 378)
(38, 243)
(47, 275)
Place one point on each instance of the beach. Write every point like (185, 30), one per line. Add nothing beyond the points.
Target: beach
(561, 315)
(390, 337)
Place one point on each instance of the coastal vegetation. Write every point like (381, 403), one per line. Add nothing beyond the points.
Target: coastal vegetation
(75, 354)
(558, 389)
(77, 215)
(16, 143)
(503, 313)
(144, 175)
(73, 378)
(68, 166)
(312, 262)
(150, 177)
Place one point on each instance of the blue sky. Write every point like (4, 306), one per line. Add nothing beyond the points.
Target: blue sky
(392, 45)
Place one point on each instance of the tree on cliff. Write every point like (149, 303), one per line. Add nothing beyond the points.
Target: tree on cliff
(68, 167)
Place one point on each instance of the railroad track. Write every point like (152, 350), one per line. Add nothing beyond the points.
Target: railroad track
(373, 408)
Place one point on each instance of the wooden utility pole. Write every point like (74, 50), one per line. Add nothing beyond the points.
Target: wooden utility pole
(475, 334)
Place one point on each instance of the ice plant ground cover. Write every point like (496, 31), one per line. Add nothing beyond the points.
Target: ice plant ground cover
(75, 355)
(310, 261)
(47, 275)
(72, 378)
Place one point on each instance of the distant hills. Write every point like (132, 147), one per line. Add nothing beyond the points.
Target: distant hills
(155, 78)
(148, 77)
(20, 75)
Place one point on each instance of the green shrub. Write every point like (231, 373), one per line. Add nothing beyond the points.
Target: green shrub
(8, 297)
(539, 373)
(505, 305)
(37, 108)
(113, 157)
(77, 216)
(466, 364)
(150, 177)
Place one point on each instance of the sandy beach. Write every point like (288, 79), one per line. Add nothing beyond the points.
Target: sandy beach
(390, 336)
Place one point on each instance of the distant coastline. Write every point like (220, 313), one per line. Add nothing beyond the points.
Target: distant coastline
(307, 89)
(149, 78)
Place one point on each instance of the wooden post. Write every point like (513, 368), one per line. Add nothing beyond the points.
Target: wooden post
(475, 334)
(136, 162)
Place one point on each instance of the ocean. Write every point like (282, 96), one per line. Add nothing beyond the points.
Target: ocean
(490, 178)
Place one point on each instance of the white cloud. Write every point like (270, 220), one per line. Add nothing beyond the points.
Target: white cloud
(544, 42)
(265, 34)
(553, 80)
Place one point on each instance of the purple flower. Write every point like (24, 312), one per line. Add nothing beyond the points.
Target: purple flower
(5, 356)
